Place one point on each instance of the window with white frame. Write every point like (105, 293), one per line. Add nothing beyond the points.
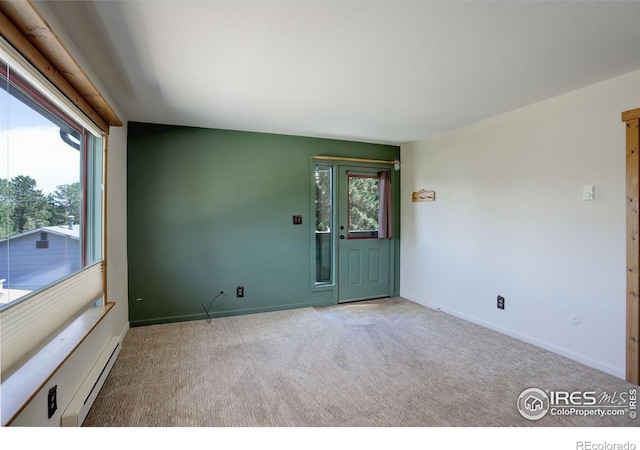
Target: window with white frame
(51, 170)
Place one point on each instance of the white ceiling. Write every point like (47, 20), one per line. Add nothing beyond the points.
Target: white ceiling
(388, 71)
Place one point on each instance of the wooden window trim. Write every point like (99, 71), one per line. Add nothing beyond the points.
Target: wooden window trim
(632, 119)
(631, 115)
(26, 30)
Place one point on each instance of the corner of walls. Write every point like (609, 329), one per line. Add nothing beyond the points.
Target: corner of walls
(509, 220)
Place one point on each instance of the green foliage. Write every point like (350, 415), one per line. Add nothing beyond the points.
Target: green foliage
(28, 204)
(6, 193)
(23, 207)
(363, 203)
(323, 198)
(65, 202)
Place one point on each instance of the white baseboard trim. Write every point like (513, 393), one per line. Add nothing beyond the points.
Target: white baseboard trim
(599, 365)
(124, 331)
(82, 401)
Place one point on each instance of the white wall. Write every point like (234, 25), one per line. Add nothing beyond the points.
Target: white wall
(116, 323)
(509, 220)
(117, 271)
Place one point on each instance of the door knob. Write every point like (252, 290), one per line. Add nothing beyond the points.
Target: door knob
(342, 236)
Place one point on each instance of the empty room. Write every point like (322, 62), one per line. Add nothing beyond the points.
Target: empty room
(320, 214)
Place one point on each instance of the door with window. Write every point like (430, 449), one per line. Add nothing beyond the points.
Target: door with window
(364, 244)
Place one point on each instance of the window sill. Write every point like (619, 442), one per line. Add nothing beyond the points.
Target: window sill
(24, 384)
(323, 287)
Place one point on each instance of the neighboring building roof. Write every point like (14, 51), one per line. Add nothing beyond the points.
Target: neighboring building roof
(73, 232)
(62, 230)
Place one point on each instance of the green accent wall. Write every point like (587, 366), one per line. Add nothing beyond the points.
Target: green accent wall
(210, 210)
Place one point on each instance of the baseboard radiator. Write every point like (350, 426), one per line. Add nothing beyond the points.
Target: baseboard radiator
(79, 407)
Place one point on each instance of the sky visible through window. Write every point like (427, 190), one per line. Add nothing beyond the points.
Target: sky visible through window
(32, 150)
(30, 145)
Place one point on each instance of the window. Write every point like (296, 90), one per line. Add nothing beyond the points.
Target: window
(51, 194)
(364, 206)
(324, 217)
(48, 182)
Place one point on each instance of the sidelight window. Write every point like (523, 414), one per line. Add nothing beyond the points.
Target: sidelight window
(323, 223)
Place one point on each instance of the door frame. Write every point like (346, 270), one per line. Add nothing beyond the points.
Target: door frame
(632, 119)
(335, 162)
(342, 175)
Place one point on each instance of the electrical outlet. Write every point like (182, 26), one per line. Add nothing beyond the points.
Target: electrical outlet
(52, 401)
(240, 291)
(500, 304)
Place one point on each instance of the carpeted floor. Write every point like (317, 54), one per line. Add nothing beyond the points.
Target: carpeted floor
(379, 363)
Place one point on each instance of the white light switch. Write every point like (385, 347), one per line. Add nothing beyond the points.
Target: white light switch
(588, 193)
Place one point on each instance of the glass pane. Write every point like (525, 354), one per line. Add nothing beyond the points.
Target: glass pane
(40, 193)
(364, 206)
(93, 229)
(324, 195)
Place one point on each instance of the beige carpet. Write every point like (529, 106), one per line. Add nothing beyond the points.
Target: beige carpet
(380, 363)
